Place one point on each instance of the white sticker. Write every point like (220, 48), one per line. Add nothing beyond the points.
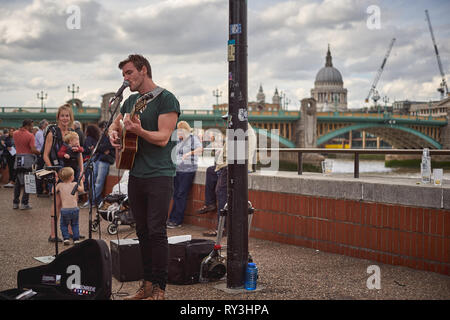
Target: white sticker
(243, 114)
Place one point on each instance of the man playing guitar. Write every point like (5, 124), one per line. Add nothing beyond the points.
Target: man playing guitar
(150, 185)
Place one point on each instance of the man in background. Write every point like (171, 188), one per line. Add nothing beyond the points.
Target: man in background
(25, 147)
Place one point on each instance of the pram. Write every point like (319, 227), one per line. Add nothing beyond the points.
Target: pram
(114, 208)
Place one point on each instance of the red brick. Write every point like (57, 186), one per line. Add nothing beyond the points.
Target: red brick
(402, 218)
(340, 210)
(395, 217)
(379, 216)
(446, 224)
(440, 222)
(386, 216)
(404, 243)
(311, 212)
(426, 220)
(420, 220)
(409, 219)
(439, 249)
(332, 231)
(433, 222)
(446, 250)
(420, 246)
(427, 247)
(372, 214)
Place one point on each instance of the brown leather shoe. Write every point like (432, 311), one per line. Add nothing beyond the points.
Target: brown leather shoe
(206, 209)
(157, 294)
(145, 291)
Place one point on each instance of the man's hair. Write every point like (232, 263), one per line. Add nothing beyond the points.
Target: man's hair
(27, 122)
(42, 123)
(65, 174)
(77, 124)
(138, 61)
(70, 135)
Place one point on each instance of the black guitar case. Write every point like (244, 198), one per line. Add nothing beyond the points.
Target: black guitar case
(82, 272)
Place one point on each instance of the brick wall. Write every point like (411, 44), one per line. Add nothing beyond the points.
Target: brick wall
(394, 234)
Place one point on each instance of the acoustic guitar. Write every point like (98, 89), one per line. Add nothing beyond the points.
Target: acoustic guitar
(129, 141)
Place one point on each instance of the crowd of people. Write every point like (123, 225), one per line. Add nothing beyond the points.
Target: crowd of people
(162, 172)
(57, 146)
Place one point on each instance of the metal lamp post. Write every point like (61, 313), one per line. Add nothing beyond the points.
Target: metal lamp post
(73, 91)
(42, 97)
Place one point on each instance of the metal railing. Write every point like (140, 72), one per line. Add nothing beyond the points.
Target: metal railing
(355, 152)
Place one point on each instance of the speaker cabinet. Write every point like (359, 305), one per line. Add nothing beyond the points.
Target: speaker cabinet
(126, 260)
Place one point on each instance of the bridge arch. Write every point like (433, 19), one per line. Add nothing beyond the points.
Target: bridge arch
(413, 134)
(282, 141)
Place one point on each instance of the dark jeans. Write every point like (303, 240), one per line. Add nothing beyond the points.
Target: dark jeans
(221, 189)
(149, 201)
(182, 184)
(12, 172)
(210, 186)
(17, 188)
(70, 217)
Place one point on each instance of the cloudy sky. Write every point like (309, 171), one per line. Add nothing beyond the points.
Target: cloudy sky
(48, 45)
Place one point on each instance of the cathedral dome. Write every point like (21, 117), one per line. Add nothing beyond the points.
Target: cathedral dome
(329, 74)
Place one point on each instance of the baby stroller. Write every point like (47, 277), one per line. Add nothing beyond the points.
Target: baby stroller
(115, 209)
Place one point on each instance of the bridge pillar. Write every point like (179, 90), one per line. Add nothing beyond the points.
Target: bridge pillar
(105, 110)
(306, 127)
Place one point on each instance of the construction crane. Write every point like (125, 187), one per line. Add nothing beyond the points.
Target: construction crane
(377, 77)
(443, 89)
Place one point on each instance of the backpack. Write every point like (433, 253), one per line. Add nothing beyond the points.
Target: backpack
(56, 144)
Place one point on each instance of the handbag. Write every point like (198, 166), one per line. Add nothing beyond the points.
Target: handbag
(24, 161)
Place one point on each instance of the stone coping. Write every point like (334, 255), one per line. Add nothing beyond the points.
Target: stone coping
(380, 189)
(383, 189)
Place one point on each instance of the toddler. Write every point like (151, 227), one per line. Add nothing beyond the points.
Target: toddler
(69, 204)
(71, 151)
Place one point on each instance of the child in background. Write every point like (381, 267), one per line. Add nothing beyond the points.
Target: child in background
(71, 152)
(69, 204)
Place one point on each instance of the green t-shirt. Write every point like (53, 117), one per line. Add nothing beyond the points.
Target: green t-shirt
(151, 160)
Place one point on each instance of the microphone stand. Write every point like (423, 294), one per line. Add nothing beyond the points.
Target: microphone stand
(55, 217)
(116, 100)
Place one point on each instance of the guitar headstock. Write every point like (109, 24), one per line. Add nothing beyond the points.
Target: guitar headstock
(141, 103)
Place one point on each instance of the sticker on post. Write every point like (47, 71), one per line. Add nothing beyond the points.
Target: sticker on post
(243, 114)
(231, 51)
(235, 28)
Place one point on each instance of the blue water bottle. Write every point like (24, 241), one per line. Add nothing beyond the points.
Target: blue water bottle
(251, 276)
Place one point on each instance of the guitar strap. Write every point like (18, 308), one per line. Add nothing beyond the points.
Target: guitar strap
(155, 92)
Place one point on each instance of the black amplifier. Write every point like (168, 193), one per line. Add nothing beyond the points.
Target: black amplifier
(126, 260)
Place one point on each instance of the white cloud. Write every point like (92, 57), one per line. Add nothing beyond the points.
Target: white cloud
(186, 43)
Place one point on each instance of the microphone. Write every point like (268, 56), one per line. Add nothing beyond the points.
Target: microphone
(123, 87)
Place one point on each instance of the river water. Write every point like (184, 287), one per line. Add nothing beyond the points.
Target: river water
(346, 166)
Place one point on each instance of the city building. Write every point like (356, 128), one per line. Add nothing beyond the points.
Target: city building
(329, 90)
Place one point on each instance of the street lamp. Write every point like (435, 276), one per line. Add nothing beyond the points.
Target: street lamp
(385, 100)
(73, 91)
(217, 94)
(42, 97)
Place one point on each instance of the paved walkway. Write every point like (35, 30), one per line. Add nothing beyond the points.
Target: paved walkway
(286, 272)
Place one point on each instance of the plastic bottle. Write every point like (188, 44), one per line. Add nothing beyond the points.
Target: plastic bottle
(251, 276)
(425, 166)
